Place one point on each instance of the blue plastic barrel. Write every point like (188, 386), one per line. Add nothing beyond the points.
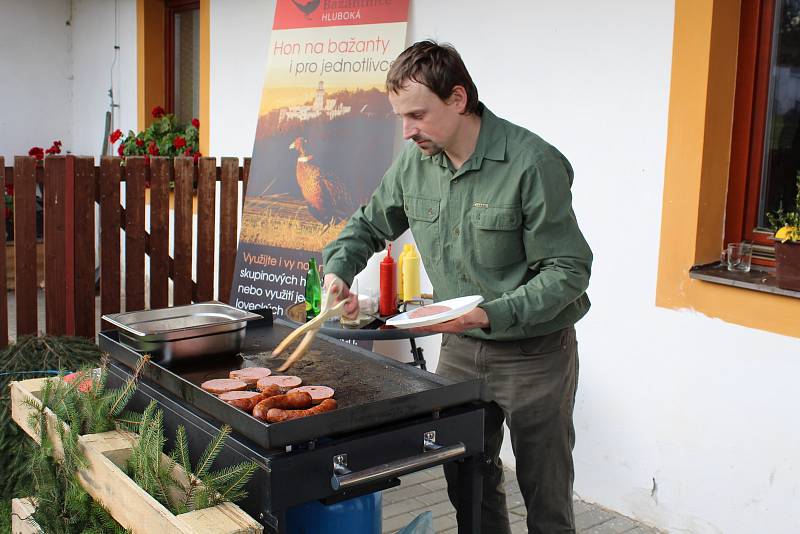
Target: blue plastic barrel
(361, 515)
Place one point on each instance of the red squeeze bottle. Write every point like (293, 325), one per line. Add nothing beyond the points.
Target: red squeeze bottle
(388, 298)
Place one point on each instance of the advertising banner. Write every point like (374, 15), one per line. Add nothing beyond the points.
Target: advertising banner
(324, 139)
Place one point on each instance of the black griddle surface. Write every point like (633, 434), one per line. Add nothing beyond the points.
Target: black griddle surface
(371, 389)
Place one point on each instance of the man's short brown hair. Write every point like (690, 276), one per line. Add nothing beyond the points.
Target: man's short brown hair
(438, 67)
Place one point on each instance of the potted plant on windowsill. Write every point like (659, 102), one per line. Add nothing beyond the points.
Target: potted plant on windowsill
(787, 244)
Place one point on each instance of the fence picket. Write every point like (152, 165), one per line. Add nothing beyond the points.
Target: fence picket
(25, 244)
(3, 284)
(160, 177)
(182, 245)
(85, 180)
(110, 212)
(136, 174)
(227, 226)
(55, 275)
(206, 202)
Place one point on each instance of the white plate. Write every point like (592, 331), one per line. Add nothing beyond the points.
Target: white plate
(458, 307)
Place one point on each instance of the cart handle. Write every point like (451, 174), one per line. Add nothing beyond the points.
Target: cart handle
(434, 454)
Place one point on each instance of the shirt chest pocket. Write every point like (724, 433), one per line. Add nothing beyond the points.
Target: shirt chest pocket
(423, 219)
(497, 236)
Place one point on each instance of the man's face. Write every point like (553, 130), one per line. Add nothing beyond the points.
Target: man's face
(427, 120)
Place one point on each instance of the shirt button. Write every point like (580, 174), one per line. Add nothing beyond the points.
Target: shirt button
(430, 211)
(457, 231)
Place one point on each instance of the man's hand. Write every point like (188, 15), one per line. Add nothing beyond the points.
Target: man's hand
(339, 292)
(476, 318)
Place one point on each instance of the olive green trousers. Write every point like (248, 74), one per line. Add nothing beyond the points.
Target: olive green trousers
(532, 383)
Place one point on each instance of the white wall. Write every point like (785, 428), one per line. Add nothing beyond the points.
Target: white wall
(36, 70)
(703, 408)
(96, 27)
(56, 66)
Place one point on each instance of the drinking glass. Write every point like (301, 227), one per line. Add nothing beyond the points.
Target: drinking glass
(739, 256)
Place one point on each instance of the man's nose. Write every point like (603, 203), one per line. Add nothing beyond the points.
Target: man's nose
(409, 130)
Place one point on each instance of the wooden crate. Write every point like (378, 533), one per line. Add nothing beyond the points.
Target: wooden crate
(21, 511)
(108, 484)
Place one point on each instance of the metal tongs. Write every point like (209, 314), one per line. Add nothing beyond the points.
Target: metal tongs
(310, 330)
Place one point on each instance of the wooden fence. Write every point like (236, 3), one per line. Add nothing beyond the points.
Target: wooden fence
(71, 187)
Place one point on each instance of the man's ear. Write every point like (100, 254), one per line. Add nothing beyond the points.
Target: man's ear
(458, 97)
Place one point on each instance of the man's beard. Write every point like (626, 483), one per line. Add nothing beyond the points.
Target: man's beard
(428, 147)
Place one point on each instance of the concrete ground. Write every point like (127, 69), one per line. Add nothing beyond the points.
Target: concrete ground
(425, 490)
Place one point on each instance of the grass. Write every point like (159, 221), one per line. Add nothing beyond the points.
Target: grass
(293, 232)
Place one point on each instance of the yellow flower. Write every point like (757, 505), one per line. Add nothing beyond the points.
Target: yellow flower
(787, 232)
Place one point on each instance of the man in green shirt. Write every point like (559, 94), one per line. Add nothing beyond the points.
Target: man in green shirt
(490, 208)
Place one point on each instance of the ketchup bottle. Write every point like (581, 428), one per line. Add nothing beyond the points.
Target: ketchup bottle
(388, 299)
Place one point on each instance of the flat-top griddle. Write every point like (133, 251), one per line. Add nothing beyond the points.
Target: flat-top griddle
(371, 389)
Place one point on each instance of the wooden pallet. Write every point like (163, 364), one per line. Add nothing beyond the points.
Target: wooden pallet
(108, 484)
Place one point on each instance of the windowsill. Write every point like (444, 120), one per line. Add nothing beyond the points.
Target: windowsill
(758, 279)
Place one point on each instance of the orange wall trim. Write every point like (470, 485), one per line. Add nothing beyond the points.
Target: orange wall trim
(150, 61)
(205, 76)
(696, 171)
(150, 58)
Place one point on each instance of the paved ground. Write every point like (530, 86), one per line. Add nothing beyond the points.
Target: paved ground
(425, 490)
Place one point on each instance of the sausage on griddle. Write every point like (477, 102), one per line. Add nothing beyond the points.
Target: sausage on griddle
(284, 382)
(289, 401)
(250, 374)
(219, 386)
(318, 393)
(276, 415)
(244, 400)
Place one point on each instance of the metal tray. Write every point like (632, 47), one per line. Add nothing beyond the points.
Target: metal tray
(183, 332)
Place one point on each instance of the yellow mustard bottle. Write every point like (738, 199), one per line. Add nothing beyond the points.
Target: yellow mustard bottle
(406, 248)
(411, 265)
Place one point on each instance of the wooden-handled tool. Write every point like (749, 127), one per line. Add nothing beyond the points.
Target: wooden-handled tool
(310, 330)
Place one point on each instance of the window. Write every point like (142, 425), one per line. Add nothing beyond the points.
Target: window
(765, 150)
(183, 59)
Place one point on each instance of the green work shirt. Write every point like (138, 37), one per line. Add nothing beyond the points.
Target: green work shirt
(501, 226)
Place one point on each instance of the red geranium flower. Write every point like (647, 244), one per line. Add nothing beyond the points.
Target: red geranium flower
(121, 149)
(139, 142)
(187, 152)
(197, 156)
(179, 142)
(158, 112)
(196, 123)
(37, 152)
(54, 149)
(152, 149)
(115, 135)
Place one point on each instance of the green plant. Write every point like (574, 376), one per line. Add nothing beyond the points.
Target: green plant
(164, 137)
(200, 488)
(86, 406)
(32, 357)
(786, 224)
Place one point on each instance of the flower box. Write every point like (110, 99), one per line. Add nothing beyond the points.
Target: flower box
(787, 265)
(108, 484)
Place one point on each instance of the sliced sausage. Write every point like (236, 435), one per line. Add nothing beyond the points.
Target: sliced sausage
(271, 391)
(318, 393)
(244, 400)
(250, 374)
(218, 386)
(277, 415)
(289, 401)
(430, 309)
(284, 382)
